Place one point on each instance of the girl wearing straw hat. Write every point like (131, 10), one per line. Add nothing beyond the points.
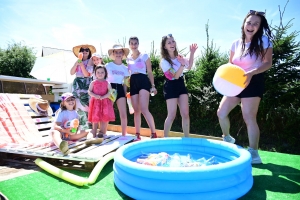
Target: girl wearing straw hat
(117, 72)
(82, 81)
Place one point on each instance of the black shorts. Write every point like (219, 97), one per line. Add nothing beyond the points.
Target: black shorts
(139, 82)
(174, 88)
(256, 87)
(119, 88)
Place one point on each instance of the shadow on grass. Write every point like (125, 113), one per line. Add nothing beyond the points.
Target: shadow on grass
(276, 179)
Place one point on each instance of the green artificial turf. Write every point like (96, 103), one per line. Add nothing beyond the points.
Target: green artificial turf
(277, 178)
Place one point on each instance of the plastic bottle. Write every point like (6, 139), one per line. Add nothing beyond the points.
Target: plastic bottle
(131, 110)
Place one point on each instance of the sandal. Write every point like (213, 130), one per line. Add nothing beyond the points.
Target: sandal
(64, 147)
(94, 141)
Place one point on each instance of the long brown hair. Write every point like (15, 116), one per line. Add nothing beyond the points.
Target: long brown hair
(164, 52)
(256, 45)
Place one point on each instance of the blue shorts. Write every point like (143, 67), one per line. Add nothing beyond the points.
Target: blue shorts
(256, 87)
(120, 90)
(174, 88)
(139, 82)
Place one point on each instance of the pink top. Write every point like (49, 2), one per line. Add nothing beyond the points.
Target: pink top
(247, 62)
(137, 65)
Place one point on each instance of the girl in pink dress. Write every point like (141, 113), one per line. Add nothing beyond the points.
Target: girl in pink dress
(101, 107)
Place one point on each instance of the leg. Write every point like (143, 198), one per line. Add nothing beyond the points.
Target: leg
(183, 102)
(172, 108)
(79, 135)
(144, 105)
(121, 103)
(137, 112)
(226, 105)
(249, 110)
(94, 130)
(103, 128)
(56, 137)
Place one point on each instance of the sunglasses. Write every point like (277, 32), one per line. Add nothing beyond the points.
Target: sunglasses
(70, 99)
(257, 12)
(167, 36)
(83, 49)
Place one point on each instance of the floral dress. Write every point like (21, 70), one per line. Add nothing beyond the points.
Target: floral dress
(101, 110)
(80, 91)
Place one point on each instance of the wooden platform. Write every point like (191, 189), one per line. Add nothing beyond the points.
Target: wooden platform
(82, 156)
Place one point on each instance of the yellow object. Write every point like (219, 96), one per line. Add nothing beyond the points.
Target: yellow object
(229, 80)
(127, 81)
(72, 178)
(113, 95)
(98, 168)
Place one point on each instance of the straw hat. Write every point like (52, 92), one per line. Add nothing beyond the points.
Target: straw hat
(115, 47)
(77, 48)
(40, 106)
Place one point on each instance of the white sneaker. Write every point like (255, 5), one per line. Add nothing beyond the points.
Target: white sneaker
(255, 157)
(229, 139)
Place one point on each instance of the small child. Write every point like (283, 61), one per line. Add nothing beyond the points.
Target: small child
(101, 107)
(62, 132)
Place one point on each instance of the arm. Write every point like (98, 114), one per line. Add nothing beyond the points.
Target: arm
(57, 126)
(125, 87)
(91, 89)
(266, 64)
(193, 49)
(73, 69)
(150, 74)
(108, 92)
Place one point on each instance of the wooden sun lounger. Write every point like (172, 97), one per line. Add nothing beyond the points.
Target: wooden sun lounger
(86, 155)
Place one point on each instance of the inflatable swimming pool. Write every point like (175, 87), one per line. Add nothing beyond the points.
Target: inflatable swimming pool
(230, 179)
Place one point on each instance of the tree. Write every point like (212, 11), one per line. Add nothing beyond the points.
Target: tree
(17, 60)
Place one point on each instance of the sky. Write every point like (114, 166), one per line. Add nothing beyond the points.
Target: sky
(64, 24)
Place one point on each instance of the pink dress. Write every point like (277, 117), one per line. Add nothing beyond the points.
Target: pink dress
(101, 110)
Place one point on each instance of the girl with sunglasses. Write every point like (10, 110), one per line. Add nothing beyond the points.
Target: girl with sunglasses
(175, 92)
(62, 130)
(253, 53)
(82, 81)
(141, 84)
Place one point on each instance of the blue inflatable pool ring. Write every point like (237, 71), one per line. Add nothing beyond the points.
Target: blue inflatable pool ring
(230, 179)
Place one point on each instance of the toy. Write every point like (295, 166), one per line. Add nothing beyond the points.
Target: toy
(72, 125)
(127, 81)
(113, 95)
(229, 80)
(72, 178)
(131, 110)
(170, 74)
(80, 56)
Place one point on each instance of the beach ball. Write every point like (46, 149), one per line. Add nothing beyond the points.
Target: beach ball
(229, 80)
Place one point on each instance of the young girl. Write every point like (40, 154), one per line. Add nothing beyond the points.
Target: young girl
(116, 73)
(101, 107)
(253, 53)
(82, 81)
(95, 61)
(61, 134)
(175, 92)
(141, 84)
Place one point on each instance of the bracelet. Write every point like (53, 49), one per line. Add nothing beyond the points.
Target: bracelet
(153, 85)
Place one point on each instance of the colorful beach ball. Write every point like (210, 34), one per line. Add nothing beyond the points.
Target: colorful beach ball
(229, 80)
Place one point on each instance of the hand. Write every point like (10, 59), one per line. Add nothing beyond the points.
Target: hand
(193, 48)
(181, 59)
(153, 90)
(249, 75)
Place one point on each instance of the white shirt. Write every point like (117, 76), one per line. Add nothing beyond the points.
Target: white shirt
(116, 73)
(165, 65)
(66, 115)
(247, 62)
(137, 65)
